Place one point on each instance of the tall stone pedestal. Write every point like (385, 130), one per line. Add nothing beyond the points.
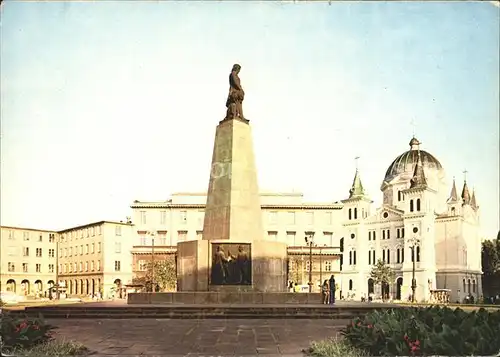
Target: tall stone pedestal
(233, 254)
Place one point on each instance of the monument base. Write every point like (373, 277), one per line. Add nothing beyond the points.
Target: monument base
(268, 261)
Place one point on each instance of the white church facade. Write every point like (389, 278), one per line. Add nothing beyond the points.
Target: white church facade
(418, 214)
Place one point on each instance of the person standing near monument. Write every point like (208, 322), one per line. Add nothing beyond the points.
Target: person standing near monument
(234, 102)
(331, 284)
(242, 262)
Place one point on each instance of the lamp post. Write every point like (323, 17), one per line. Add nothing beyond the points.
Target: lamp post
(152, 234)
(310, 241)
(413, 241)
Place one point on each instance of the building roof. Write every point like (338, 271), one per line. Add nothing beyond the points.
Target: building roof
(409, 159)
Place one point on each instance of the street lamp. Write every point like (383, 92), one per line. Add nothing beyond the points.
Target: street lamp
(310, 241)
(152, 234)
(413, 242)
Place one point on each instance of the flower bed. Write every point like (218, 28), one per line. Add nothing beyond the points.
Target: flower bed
(422, 332)
(24, 336)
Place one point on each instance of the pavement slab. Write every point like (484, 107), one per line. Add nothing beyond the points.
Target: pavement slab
(174, 337)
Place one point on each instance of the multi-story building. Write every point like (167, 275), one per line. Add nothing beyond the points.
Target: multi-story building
(286, 217)
(96, 258)
(417, 223)
(28, 260)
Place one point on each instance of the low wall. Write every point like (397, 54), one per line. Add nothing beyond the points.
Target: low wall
(220, 297)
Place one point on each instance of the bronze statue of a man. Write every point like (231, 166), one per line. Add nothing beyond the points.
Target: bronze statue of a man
(236, 95)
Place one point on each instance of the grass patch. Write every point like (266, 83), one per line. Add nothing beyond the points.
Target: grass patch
(334, 348)
(52, 349)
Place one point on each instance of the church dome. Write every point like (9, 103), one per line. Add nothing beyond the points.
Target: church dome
(405, 162)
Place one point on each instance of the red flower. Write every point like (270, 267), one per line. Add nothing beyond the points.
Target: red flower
(417, 343)
(369, 326)
(406, 337)
(414, 348)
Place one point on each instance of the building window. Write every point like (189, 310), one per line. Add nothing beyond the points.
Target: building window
(26, 235)
(143, 217)
(418, 204)
(75, 269)
(328, 266)
(402, 232)
(383, 234)
(374, 235)
(374, 260)
(353, 236)
(328, 238)
(81, 266)
(99, 229)
(354, 257)
(118, 247)
(25, 267)
(388, 256)
(98, 265)
(290, 239)
(162, 238)
(26, 251)
(81, 249)
(290, 218)
(272, 235)
(273, 218)
(142, 265)
(142, 237)
(350, 258)
(38, 252)
(199, 235)
(355, 213)
(86, 249)
(310, 218)
(38, 268)
(398, 233)
(11, 266)
(369, 235)
(411, 205)
(398, 256)
(163, 217)
(92, 265)
(350, 284)
(399, 195)
(369, 257)
(418, 254)
(388, 234)
(86, 266)
(12, 235)
(99, 247)
(117, 265)
(350, 214)
(118, 231)
(181, 236)
(93, 231)
(183, 217)
(92, 249)
(51, 268)
(329, 218)
(40, 237)
(473, 286)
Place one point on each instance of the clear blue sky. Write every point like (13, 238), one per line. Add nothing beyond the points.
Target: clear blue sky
(106, 102)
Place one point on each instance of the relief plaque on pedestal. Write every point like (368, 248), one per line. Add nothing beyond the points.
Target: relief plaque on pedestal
(231, 264)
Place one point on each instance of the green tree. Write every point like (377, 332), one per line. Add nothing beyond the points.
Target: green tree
(296, 270)
(382, 274)
(490, 261)
(162, 273)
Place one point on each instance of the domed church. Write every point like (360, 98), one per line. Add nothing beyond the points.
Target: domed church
(421, 214)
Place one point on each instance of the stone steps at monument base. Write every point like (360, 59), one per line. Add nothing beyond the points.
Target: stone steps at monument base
(201, 312)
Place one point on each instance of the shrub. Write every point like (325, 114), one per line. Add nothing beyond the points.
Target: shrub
(334, 348)
(426, 331)
(53, 349)
(23, 332)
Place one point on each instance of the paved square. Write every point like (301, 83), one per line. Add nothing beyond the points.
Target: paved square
(166, 337)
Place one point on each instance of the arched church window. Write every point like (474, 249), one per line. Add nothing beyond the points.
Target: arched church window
(350, 214)
(355, 213)
(411, 205)
(350, 284)
(418, 204)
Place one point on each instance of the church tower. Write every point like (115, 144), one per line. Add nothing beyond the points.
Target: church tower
(355, 212)
(419, 222)
(454, 202)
